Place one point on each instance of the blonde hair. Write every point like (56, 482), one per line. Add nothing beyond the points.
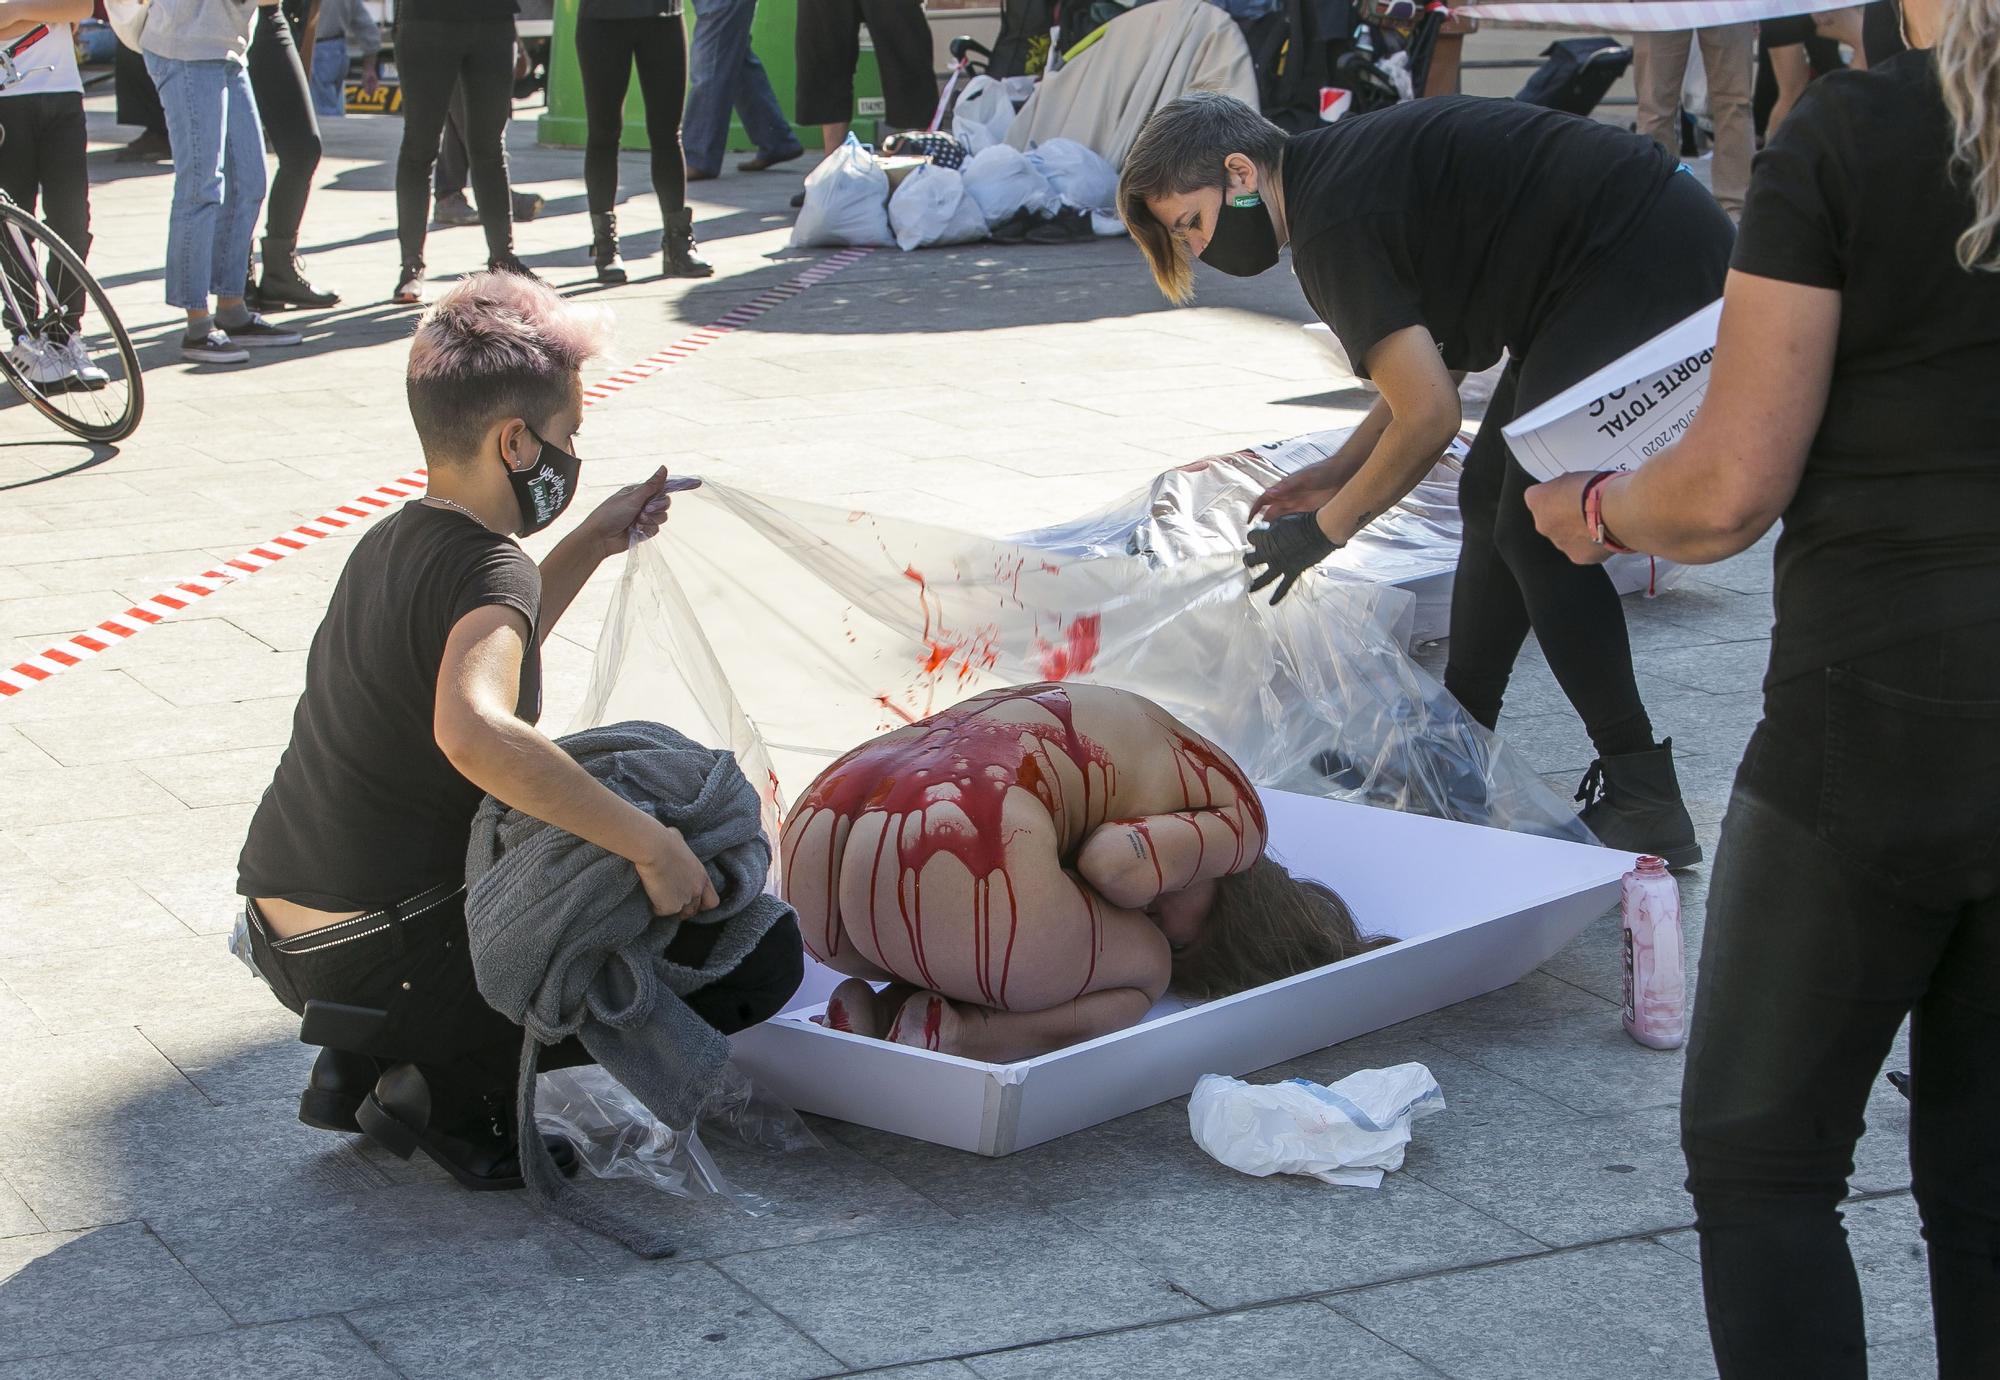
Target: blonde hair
(1968, 66)
(1265, 925)
(1181, 149)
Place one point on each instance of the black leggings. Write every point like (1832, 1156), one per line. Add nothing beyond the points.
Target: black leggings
(284, 103)
(434, 56)
(1858, 882)
(1510, 577)
(42, 143)
(605, 52)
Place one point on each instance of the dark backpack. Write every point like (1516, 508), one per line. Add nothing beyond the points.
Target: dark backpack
(1577, 74)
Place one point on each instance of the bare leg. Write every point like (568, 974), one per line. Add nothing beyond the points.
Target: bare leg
(1793, 71)
(930, 1021)
(833, 136)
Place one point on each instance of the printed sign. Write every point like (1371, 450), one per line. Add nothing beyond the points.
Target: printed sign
(1625, 413)
(387, 100)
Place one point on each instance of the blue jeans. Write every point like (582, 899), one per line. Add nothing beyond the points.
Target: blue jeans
(724, 72)
(218, 176)
(329, 79)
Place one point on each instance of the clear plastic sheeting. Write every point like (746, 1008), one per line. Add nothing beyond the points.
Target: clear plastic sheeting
(617, 1137)
(1203, 509)
(789, 632)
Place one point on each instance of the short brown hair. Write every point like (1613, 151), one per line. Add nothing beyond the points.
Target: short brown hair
(1265, 925)
(496, 345)
(1181, 149)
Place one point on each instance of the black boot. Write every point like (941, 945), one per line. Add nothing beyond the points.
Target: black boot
(604, 247)
(285, 282)
(677, 254)
(1632, 802)
(333, 1094)
(468, 1135)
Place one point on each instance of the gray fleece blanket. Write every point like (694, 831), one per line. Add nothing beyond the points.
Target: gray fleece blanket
(565, 943)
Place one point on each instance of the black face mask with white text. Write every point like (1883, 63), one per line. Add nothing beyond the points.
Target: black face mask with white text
(1245, 243)
(546, 487)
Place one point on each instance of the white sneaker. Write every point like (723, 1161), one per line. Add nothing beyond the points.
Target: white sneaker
(87, 374)
(38, 361)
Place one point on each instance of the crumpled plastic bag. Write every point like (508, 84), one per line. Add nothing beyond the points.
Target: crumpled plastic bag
(1349, 1133)
(617, 1137)
(847, 201)
(1080, 175)
(983, 115)
(1004, 183)
(931, 207)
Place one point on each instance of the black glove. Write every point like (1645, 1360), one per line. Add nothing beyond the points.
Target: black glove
(1287, 548)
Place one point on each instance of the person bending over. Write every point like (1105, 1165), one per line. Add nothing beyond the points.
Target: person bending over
(1035, 867)
(422, 690)
(1432, 236)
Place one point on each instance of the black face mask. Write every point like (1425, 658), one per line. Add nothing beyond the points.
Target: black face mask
(546, 487)
(1244, 243)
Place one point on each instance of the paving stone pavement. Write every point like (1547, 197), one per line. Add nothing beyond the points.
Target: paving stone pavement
(162, 1213)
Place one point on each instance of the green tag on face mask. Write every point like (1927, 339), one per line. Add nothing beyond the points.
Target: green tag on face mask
(1245, 200)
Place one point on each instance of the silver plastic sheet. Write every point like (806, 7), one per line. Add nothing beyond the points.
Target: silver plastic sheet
(789, 632)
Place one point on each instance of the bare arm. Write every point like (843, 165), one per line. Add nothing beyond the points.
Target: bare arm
(479, 681)
(19, 16)
(1731, 476)
(1130, 862)
(1423, 416)
(634, 513)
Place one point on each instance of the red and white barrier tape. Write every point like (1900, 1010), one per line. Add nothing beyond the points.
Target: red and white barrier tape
(1640, 16)
(184, 594)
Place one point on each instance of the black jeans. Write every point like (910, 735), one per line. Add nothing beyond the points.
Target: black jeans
(828, 38)
(138, 98)
(284, 103)
(1858, 882)
(415, 967)
(42, 142)
(1511, 578)
(433, 57)
(605, 52)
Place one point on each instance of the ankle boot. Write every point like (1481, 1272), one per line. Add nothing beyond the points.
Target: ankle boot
(677, 248)
(1632, 802)
(285, 283)
(469, 1135)
(339, 1081)
(604, 247)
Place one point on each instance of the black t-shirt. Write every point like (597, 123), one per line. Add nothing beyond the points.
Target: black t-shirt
(458, 11)
(365, 809)
(1895, 529)
(1469, 216)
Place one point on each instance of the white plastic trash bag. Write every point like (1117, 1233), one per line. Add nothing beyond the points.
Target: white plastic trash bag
(931, 207)
(1004, 183)
(1080, 175)
(983, 115)
(1349, 1133)
(847, 201)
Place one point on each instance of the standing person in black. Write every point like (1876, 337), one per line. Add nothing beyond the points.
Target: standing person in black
(284, 102)
(1431, 236)
(1858, 879)
(828, 38)
(422, 690)
(439, 45)
(611, 36)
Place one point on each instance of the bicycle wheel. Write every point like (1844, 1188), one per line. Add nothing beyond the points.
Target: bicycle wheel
(65, 350)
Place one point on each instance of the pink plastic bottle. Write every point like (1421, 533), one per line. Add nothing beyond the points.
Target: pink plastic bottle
(1655, 996)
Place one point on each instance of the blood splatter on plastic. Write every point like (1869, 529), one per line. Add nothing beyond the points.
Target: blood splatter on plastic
(1078, 652)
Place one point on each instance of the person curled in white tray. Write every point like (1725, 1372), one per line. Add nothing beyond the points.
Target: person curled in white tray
(1035, 867)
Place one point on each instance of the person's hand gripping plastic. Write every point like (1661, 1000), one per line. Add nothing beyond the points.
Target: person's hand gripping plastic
(1286, 548)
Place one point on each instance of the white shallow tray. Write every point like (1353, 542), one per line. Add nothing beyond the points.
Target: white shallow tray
(1477, 908)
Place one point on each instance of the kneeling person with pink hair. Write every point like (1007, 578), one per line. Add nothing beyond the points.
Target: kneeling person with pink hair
(423, 686)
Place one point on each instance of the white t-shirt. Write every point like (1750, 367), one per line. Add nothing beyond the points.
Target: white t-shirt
(47, 64)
